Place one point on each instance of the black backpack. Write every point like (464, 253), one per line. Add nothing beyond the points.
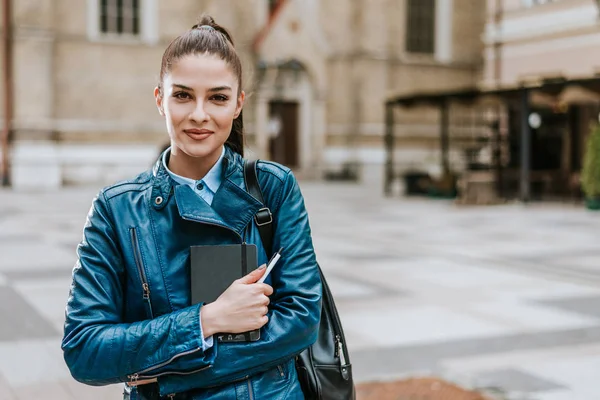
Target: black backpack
(324, 369)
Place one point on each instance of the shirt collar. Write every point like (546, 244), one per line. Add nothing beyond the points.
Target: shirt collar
(212, 179)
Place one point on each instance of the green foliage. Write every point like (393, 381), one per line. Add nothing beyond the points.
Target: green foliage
(590, 172)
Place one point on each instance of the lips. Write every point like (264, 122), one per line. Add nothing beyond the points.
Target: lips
(198, 134)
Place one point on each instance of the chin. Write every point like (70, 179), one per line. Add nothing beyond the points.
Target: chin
(199, 149)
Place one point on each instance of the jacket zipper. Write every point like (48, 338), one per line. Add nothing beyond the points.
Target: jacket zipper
(140, 266)
(139, 375)
(250, 391)
(280, 371)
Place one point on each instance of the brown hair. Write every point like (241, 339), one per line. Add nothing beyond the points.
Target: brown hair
(208, 37)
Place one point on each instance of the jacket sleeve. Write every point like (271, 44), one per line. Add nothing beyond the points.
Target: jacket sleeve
(99, 348)
(295, 309)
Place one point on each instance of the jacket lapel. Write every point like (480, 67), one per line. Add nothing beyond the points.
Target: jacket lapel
(232, 207)
(235, 206)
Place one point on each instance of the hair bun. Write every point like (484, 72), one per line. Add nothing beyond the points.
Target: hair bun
(206, 22)
(207, 27)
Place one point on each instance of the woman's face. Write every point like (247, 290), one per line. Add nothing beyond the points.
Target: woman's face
(199, 101)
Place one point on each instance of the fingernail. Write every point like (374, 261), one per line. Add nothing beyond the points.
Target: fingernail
(262, 267)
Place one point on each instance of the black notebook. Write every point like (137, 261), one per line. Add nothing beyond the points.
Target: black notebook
(213, 270)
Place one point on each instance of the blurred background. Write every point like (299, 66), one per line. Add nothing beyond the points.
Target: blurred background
(448, 150)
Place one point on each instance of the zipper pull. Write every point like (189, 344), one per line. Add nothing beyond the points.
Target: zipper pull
(133, 379)
(340, 350)
(344, 367)
(171, 396)
(146, 291)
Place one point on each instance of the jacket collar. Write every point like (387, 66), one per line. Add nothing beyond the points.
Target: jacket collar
(232, 208)
(212, 180)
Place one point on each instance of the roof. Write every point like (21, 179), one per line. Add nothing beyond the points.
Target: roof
(549, 86)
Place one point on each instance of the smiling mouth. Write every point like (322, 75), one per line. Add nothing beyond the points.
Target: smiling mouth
(198, 134)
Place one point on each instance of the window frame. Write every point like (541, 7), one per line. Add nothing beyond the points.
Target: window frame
(408, 43)
(147, 24)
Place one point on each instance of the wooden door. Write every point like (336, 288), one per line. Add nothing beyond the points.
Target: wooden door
(284, 147)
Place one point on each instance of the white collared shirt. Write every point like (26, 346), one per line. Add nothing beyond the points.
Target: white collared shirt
(205, 187)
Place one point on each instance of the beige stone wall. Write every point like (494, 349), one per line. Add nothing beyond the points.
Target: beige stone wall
(1, 79)
(32, 72)
(79, 90)
(339, 24)
(111, 81)
(106, 82)
(369, 62)
(410, 79)
(101, 91)
(34, 13)
(549, 40)
(468, 26)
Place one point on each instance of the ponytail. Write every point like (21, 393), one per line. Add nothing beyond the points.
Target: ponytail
(236, 137)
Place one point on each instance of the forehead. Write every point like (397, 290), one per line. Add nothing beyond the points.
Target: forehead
(201, 71)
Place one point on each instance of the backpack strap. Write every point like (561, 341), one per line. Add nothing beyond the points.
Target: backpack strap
(263, 218)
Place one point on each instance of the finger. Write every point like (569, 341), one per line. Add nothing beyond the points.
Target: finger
(265, 310)
(253, 276)
(267, 289)
(263, 320)
(266, 301)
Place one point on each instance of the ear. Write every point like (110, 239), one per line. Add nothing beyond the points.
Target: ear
(240, 104)
(159, 101)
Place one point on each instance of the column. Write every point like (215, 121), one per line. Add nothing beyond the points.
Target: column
(389, 147)
(525, 146)
(444, 135)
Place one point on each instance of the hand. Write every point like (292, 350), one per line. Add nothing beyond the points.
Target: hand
(241, 308)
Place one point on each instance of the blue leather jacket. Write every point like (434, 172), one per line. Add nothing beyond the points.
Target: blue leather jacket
(129, 317)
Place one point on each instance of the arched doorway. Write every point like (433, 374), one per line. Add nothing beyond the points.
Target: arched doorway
(288, 115)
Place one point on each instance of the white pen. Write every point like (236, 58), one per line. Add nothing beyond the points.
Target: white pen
(271, 264)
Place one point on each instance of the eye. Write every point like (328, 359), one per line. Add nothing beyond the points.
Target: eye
(220, 98)
(182, 95)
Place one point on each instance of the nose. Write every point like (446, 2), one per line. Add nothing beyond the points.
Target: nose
(199, 113)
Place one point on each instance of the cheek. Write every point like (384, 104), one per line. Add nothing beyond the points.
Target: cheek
(224, 115)
(176, 111)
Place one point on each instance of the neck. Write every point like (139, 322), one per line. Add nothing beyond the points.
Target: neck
(194, 168)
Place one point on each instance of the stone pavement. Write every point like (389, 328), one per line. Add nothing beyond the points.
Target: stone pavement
(504, 297)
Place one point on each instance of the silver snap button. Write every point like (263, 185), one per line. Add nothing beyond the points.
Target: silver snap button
(158, 201)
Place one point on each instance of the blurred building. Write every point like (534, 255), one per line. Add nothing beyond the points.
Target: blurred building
(521, 130)
(548, 47)
(317, 74)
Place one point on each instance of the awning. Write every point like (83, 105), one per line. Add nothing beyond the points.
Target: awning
(580, 90)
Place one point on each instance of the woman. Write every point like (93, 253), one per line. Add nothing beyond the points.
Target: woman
(129, 317)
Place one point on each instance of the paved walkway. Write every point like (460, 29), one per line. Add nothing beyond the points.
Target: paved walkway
(505, 297)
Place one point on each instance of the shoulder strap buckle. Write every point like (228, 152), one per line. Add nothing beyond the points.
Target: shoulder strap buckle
(263, 217)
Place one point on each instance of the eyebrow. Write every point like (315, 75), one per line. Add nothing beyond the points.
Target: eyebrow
(219, 89)
(183, 87)
(215, 89)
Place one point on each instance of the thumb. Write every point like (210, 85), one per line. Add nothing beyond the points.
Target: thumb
(253, 276)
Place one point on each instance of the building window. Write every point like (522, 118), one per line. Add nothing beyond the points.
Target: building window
(121, 17)
(125, 21)
(420, 26)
